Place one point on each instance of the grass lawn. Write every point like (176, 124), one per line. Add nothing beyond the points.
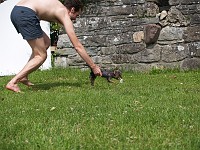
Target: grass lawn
(149, 111)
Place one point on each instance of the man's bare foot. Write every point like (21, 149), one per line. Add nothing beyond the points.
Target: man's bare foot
(26, 82)
(13, 87)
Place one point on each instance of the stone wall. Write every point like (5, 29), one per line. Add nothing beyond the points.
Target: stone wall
(136, 35)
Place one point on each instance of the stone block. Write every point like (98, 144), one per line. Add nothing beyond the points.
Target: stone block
(174, 53)
(106, 60)
(138, 36)
(121, 38)
(118, 10)
(195, 19)
(131, 48)
(96, 40)
(151, 9)
(164, 23)
(176, 18)
(188, 2)
(60, 62)
(149, 55)
(190, 64)
(108, 50)
(194, 48)
(183, 2)
(93, 51)
(151, 20)
(132, 2)
(174, 2)
(65, 51)
(97, 59)
(171, 34)
(192, 34)
(163, 14)
(75, 60)
(155, 1)
(189, 9)
(151, 33)
(64, 41)
(120, 58)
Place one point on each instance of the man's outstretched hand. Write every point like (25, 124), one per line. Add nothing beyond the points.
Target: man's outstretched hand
(96, 70)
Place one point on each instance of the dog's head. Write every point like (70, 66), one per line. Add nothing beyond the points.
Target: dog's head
(117, 74)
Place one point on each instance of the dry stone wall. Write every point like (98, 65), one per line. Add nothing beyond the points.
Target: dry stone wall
(136, 35)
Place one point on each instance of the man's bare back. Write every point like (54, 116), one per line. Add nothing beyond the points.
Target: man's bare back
(47, 10)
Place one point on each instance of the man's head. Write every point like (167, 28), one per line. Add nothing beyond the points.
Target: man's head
(75, 7)
(77, 4)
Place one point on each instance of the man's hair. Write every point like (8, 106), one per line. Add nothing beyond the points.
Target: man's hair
(77, 4)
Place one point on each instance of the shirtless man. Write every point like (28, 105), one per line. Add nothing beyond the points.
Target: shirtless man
(26, 15)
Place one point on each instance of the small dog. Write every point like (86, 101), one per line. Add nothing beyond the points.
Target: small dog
(108, 74)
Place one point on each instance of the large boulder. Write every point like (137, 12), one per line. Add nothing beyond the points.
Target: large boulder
(151, 33)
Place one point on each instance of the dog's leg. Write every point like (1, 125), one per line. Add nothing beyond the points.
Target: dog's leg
(109, 80)
(92, 78)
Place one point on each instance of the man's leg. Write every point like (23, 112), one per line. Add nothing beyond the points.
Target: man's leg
(39, 55)
(25, 80)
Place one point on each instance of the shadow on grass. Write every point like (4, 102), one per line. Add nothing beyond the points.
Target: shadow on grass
(48, 86)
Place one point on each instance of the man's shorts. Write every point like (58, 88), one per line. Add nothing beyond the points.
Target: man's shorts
(26, 22)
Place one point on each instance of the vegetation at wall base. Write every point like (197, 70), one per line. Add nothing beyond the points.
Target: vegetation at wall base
(157, 110)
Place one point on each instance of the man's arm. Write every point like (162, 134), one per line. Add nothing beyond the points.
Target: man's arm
(68, 25)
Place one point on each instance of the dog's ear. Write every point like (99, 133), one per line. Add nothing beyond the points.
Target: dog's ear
(117, 72)
(116, 68)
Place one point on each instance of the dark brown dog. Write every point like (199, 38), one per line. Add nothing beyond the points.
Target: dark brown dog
(108, 74)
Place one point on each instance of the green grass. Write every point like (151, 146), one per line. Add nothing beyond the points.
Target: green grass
(149, 111)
